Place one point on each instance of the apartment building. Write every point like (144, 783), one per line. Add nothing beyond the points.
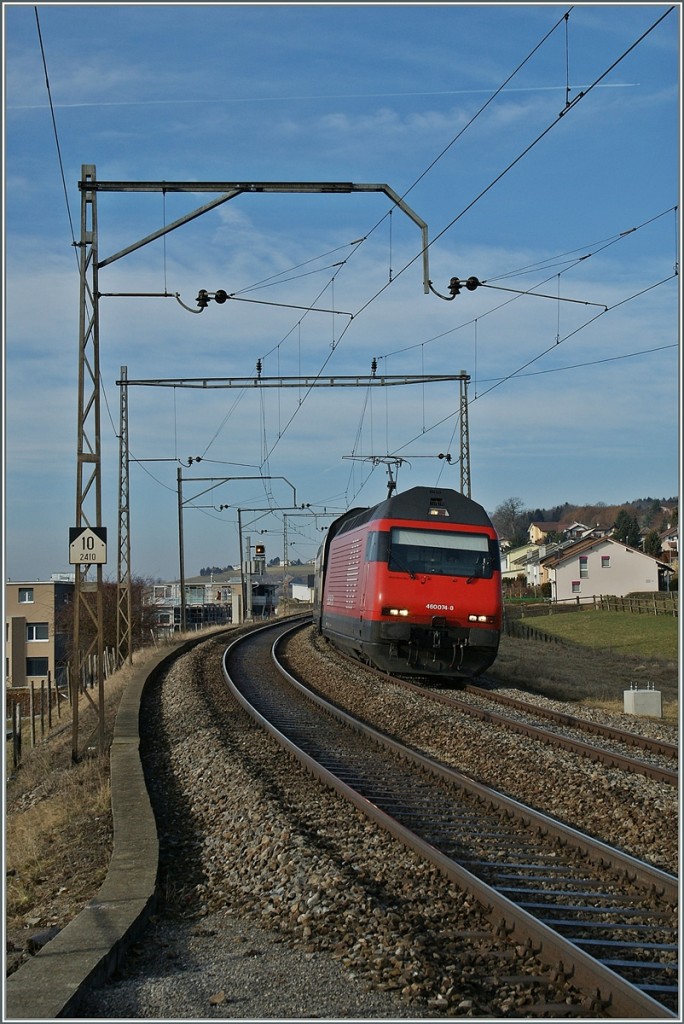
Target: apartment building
(35, 643)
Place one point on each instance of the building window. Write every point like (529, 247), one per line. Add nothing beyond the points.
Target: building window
(605, 561)
(575, 586)
(25, 595)
(584, 567)
(36, 666)
(37, 631)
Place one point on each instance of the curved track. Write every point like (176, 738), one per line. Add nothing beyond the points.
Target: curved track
(607, 918)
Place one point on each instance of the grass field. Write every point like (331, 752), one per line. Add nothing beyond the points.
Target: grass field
(601, 655)
(646, 636)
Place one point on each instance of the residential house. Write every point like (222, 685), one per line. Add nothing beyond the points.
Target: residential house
(536, 571)
(602, 566)
(35, 641)
(513, 561)
(575, 531)
(538, 532)
(669, 541)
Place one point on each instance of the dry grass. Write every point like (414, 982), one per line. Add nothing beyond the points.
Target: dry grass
(58, 824)
(577, 674)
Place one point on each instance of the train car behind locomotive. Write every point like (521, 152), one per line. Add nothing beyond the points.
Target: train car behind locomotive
(413, 585)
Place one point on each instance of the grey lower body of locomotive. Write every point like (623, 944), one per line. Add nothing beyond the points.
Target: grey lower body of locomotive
(407, 648)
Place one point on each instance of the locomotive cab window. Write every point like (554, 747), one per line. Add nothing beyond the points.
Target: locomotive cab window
(441, 553)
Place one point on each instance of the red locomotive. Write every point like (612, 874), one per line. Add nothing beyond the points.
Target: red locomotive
(413, 585)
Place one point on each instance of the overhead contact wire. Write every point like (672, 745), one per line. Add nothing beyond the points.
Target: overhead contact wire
(581, 95)
(54, 128)
(519, 371)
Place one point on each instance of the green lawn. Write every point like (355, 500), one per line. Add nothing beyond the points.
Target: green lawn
(649, 636)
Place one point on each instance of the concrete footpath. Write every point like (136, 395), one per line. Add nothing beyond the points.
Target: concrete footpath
(90, 948)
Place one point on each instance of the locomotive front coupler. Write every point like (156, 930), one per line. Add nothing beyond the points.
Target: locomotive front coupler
(439, 633)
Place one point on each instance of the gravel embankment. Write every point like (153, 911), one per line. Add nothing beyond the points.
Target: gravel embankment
(281, 903)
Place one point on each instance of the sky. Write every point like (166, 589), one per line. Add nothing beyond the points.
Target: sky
(538, 143)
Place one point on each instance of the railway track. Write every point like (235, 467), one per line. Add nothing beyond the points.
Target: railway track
(605, 917)
(659, 747)
(613, 742)
(614, 747)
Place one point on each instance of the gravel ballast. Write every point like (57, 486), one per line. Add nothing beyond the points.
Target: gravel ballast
(278, 901)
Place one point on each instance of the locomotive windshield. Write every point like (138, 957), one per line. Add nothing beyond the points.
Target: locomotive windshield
(440, 553)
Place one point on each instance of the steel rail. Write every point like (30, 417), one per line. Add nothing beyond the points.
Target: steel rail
(633, 739)
(608, 757)
(616, 995)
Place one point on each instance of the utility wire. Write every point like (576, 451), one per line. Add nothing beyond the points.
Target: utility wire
(356, 244)
(273, 279)
(580, 96)
(515, 373)
(445, 150)
(569, 105)
(392, 277)
(591, 362)
(54, 128)
(603, 244)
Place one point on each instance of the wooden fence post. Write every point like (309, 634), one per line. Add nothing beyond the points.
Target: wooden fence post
(32, 714)
(16, 734)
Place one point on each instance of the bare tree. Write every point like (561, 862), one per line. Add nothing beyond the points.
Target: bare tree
(511, 521)
(142, 618)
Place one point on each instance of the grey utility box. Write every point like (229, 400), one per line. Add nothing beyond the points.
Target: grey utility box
(646, 703)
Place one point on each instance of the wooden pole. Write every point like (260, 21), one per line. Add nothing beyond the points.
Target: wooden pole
(32, 714)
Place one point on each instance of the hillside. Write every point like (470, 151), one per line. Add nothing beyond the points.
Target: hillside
(650, 513)
(512, 519)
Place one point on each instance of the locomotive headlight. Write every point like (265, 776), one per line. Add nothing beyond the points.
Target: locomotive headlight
(395, 611)
(481, 618)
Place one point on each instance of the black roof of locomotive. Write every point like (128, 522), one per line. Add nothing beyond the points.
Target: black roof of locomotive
(416, 504)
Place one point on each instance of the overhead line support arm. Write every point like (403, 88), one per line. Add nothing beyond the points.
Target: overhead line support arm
(230, 189)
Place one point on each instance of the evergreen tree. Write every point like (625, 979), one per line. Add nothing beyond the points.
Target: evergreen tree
(626, 529)
(652, 545)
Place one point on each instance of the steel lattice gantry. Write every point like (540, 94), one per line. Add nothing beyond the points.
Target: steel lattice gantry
(88, 617)
(465, 435)
(124, 646)
(378, 380)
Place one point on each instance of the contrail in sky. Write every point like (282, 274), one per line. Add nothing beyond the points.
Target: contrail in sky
(332, 96)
